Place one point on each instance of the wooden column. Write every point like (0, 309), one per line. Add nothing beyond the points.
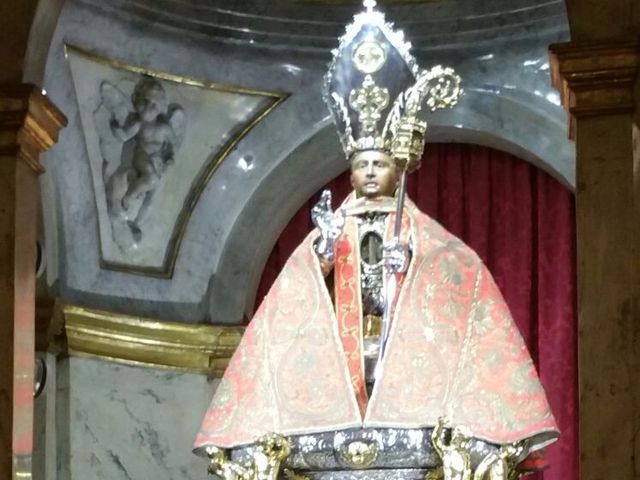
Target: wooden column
(29, 125)
(597, 85)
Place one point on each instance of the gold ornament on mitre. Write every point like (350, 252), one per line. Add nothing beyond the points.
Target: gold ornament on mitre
(375, 90)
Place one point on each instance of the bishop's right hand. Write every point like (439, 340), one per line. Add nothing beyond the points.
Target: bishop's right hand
(330, 225)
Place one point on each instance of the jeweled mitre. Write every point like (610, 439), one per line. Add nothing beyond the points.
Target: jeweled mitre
(375, 89)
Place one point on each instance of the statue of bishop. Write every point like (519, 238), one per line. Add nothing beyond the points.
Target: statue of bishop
(383, 329)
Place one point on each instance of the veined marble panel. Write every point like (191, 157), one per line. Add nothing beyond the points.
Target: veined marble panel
(126, 423)
(153, 141)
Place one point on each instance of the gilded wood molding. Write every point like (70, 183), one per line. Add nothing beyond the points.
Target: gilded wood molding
(147, 342)
(29, 123)
(595, 79)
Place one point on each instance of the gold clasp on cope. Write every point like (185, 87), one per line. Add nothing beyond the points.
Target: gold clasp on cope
(359, 454)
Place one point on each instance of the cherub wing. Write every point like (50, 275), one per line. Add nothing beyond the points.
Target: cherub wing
(115, 101)
(176, 120)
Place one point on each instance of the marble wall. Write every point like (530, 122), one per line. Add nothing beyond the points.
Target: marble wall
(109, 421)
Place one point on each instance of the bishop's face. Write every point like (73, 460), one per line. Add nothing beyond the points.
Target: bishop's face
(373, 174)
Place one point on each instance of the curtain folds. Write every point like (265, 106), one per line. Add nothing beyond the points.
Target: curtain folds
(521, 223)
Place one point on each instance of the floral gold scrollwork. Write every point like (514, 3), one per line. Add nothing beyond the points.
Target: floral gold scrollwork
(439, 85)
(271, 450)
(369, 101)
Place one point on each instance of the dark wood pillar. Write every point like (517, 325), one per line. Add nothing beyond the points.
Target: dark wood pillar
(29, 125)
(597, 84)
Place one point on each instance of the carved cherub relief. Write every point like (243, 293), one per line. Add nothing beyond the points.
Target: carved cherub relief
(149, 132)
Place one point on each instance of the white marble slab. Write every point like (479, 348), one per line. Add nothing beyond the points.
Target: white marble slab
(119, 422)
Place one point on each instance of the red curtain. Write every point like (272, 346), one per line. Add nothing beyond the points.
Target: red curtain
(521, 223)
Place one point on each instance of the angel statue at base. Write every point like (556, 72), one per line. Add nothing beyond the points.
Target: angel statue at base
(384, 349)
(150, 131)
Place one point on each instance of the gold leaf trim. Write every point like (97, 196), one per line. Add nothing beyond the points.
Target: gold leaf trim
(29, 123)
(148, 342)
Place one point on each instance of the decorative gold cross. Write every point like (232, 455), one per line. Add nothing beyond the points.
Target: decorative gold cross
(369, 100)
